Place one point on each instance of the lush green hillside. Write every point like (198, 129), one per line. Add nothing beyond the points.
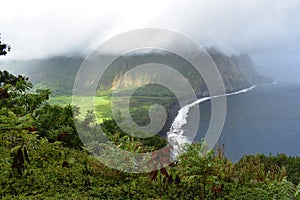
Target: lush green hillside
(58, 73)
(42, 157)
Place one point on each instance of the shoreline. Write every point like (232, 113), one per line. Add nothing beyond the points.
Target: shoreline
(174, 109)
(175, 136)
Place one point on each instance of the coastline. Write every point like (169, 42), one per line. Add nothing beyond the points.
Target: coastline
(175, 107)
(175, 135)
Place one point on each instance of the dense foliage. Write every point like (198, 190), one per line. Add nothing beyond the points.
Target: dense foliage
(42, 158)
(291, 164)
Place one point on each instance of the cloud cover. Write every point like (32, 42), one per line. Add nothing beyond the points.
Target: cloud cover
(267, 29)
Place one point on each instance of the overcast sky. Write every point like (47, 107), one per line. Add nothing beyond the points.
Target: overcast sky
(269, 30)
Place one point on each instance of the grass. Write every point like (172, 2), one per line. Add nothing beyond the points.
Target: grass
(139, 106)
(102, 105)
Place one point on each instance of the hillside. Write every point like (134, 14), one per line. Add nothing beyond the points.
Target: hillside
(58, 73)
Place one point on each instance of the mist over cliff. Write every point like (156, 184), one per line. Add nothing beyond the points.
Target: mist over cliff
(58, 73)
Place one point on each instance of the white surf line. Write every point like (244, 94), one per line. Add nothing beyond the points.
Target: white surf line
(273, 83)
(176, 136)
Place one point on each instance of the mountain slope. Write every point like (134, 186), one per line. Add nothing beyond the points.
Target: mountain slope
(58, 73)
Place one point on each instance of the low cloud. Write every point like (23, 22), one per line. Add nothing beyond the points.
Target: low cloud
(38, 29)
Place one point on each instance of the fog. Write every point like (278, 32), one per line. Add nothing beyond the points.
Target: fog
(268, 30)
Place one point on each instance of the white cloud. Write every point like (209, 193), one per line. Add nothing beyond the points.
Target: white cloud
(39, 29)
(43, 28)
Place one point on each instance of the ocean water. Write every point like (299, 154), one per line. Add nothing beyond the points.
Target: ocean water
(185, 123)
(264, 120)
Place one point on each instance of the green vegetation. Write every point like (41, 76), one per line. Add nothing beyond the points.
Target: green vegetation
(139, 105)
(42, 157)
(102, 105)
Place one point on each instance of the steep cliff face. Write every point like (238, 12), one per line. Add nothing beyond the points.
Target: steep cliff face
(59, 73)
(240, 71)
(237, 71)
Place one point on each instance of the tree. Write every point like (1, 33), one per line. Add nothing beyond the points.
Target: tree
(4, 48)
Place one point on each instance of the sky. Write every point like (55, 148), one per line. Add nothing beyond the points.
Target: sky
(268, 30)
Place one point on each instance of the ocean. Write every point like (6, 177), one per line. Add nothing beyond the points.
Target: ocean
(263, 120)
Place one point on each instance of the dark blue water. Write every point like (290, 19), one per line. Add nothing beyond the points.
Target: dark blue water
(264, 120)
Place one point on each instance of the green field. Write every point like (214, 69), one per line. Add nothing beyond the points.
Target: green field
(102, 105)
(139, 106)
